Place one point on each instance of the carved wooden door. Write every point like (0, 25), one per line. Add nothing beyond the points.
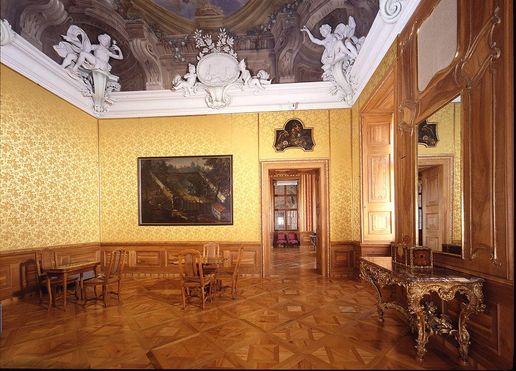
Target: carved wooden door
(432, 201)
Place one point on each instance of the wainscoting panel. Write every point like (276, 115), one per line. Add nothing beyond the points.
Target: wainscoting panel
(344, 256)
(159, 259)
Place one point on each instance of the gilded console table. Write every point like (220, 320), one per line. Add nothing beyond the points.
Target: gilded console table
(422, 316)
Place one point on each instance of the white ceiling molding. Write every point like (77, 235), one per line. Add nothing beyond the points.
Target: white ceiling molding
(26, 59)
(277, 97)
(377, 43)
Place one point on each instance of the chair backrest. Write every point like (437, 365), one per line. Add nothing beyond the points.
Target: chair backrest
(210, 250)
(190, 264)
(291, 236)
(46, 260)
(281, 236)
(115, 264)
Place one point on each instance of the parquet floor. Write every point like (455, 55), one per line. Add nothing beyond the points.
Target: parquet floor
(294, 319)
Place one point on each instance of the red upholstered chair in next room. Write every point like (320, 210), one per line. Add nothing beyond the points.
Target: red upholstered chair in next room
(292, 239)
(281, 240)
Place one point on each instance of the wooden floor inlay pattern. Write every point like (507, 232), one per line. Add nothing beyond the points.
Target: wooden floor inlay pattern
(294, 319)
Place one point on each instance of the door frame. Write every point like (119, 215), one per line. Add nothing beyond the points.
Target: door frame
(268, 212)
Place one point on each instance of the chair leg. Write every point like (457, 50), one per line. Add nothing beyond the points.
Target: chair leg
(119, 286)
(202, 297)
(183, 294)
(104, 295)
(49, 290)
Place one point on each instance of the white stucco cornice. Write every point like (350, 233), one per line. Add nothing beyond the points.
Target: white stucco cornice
(26, 59)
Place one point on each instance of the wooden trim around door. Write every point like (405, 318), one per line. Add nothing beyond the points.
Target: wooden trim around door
(267, 212)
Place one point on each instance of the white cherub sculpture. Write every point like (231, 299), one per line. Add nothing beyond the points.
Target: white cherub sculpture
(79, 51)
(261, 78)
(343, 44)
(188, 83)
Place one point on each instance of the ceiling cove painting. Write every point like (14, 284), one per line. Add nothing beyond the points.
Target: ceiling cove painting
(190, 8)
(157, 37)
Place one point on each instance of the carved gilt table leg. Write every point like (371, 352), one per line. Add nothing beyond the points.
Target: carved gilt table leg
(474, 305)
(414, 296)
(368, 275)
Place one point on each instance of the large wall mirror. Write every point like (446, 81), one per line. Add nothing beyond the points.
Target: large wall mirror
(439, 180)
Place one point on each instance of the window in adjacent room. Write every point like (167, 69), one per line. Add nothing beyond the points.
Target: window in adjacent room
(285, 205)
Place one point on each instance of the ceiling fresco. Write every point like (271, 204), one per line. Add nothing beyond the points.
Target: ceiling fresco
(190, 8)
(156, 37)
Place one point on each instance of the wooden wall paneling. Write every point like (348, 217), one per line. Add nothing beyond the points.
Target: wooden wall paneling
(482, 73)
(344, 259)
(377, 163)
(158, 259)
(479, 73)
(377, 178)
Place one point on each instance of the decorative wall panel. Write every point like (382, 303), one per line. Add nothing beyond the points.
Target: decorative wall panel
(49, 170)
(316, 119)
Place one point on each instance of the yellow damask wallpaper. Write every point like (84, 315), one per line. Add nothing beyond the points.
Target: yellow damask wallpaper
(49, 173)
(341, 176)
(123, 141)
(248, 137)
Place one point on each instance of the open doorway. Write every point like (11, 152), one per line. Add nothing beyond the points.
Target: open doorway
(294, 217)
(294, 200)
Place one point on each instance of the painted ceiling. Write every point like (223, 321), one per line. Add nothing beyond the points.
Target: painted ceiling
(190, 8)
(156, 37)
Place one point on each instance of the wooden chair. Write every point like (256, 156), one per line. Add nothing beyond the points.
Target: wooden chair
(111, 276)
(230, 274)
(211, 252)
(46, 259)
(192, 278)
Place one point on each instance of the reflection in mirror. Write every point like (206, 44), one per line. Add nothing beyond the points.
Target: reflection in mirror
(439, 185)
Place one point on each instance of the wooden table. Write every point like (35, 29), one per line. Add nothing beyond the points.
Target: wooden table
(418, 283)
(66, 270)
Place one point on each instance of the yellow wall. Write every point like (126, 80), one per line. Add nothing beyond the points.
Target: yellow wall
(123, 141)
(248, 137)
(448, 121)
(49, 192)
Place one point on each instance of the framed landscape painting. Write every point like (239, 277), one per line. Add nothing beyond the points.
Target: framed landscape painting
(185, 190)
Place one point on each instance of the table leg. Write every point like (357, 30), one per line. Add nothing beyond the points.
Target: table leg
(415, 307)
(462, 335)
(65, 287)
(379, 305)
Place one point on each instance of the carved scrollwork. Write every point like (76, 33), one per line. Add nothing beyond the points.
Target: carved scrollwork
(6, 33)
(36, 18)
(390, 10)
(478, 54)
